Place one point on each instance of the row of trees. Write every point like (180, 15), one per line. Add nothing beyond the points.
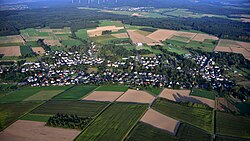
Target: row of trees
(68, 121)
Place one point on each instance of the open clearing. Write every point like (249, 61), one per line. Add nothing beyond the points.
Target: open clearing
(23, 130)
(232, 125)
(38, 50)
(136, 96)
(161, 35)
(44, 95)
(98, 31)
(10, 51)
(199, 117)
(75, 92)
(103, 96)
(183, 96)
(120, 35)
(114, 123)
(80, 108)
(9, 112)
(202, 37)
(139, 38)
(161, 121)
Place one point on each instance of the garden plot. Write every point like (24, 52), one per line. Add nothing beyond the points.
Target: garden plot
(103, 96)
(98, 31)
(183, 96)
(161, 35)
(161, 121)
(136, 97)
(30, 130)
(10, 51)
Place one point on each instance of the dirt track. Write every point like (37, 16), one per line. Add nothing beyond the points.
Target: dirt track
(23, 130)
(161, 121)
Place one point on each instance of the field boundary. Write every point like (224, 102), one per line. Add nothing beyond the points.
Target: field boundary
(81, 99)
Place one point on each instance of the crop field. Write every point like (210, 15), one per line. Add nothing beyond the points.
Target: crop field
(38, 50)
(120, 35)
(111, 23)
(9, 112)
(82, 34)
(25, 50)
(112, 88)
(99, 30)
(186, 132)
(108, 96)
(75, 92)
(10, 44)
(44, 95)
(154, 91)
(11, 39)
(23, 130)
(175, 46)
(23, 93)
(198, 117)
(145, 33)
(54, 42)
(32, 44)
(103, 39)
(10, 51)
(202, 37)
(161, 34)
(206, 46)
(154, 51)
(228, 138)
(35, 117)
(71, 42)
(180, 39)
(114, 122)
(139, 38)
(136, 97)
(229, 124)
(204, 93)
(80, 108)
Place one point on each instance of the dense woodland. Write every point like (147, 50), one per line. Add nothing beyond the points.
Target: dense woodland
(77, 19)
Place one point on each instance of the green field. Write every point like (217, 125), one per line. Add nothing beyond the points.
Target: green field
(154, 91)
(204, 93)
(104, 39)
(113, 123)
(32, 43)
(33, 32)
(227, 138)
(76, 92)
(9, 112)
(82, 34)
(11, 44)
(71, 42)
(112, 88)
(231, 125)
(36, 117)
(180, 39)
(175, 46)
(25, 50)
(198, 117)
(80, 108)
(186, 132)
(44, 95)
(206, 46)
(110, 23)
(23, 93)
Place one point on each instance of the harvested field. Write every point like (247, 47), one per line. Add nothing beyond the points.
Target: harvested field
(38, 50)
(180, 39)
(145, 33)
(183, 96)
(112, 88)
(201, 37)
(223, 104)
(161, 35)
(161, 121)
(120, 35)
(44, 95)
(98, 31)
(10, 51)
(189, 35)
(222, 49)
(136, 96)
(52, 42)
(228, 43)
(23, 130)
(138, 38)
(103, 96)
(11, 39)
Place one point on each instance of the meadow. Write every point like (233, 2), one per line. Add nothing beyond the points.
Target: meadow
(204, 93)
(112, 88)
(82, 34)
(10, 112)
(114, 122)
(80, 108)
(201, 118)
(76, 92)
